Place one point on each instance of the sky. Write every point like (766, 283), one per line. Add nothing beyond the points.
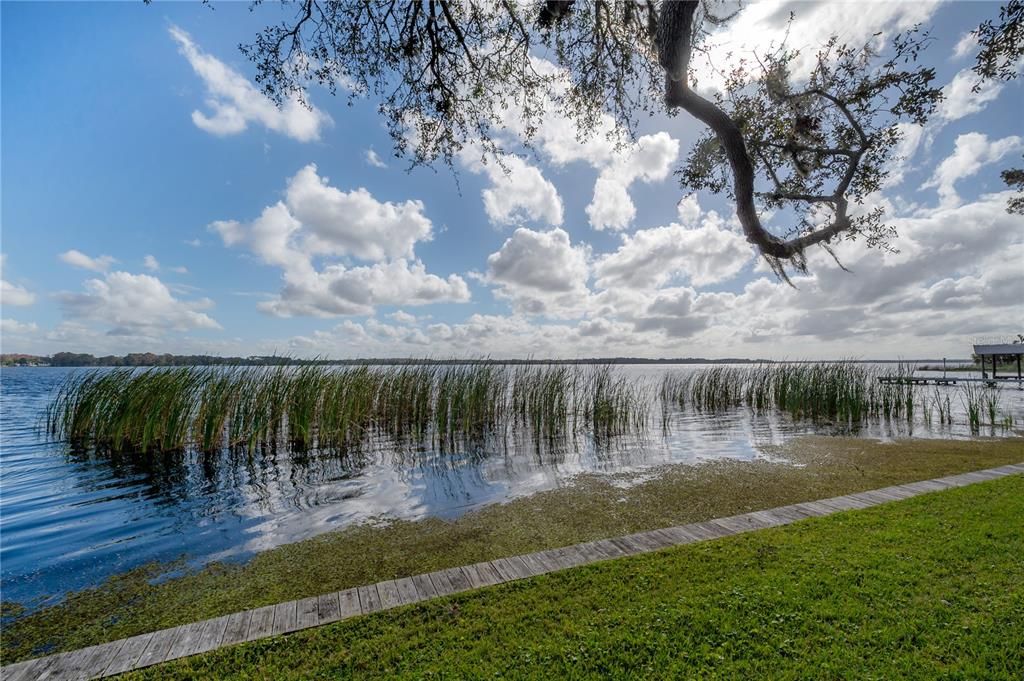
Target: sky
(153, 200)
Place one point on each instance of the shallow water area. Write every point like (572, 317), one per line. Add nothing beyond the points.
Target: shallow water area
(70, 519)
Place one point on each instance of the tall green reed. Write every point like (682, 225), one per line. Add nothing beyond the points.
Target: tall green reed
(321, 406)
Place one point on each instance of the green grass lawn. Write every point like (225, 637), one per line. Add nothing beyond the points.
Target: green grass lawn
(931, 587)
(593, 508)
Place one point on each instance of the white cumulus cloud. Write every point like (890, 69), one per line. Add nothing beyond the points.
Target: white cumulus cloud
(317, 220)
(518, 193)
(649, 160)
(972, 151)
(135, 305)
(75, 258)
(541, 272)
(13, 294)
(234, 102)
(960, 98)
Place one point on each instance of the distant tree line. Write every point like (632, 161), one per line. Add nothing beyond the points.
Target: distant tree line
(149, 359)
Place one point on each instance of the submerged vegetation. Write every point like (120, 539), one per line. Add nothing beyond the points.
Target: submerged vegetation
(338, 407)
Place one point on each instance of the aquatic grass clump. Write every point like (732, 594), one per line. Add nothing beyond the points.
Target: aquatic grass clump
(843, 391)
(317, 406)
(983, 401)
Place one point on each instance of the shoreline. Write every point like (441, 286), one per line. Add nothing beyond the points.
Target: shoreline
(592, 508)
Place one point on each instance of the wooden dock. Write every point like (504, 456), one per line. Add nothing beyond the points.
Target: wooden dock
(949, 380)
(144, 650)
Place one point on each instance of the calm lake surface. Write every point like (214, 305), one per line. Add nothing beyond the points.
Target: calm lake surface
(70, 519)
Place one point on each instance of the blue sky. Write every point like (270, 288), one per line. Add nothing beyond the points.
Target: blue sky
(152, 200)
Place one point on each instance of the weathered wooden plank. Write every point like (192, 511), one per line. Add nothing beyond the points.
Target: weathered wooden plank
(731, 524)
(549, 559)
(389, 597)
(631, 545)
(442, 585)
(129, 654)
(606, 549)
(699, 531)
(424, 587)
(885, 493)
(920, 487)
(237, 629)
(590, 554)
(801, 513)
(158, 647)
(873, 497)
(553, 559)
(43, 667)
(655, 539)
(284, 617)
(459, 580)
(782, 517)
(756, 520)
(682, 535)
(951, 480)
(868, 502)
(349, 603)
(19, 671)
(609, 548)
(328, 609)
(816, 508)
(104, 654)
(62, 666)
(846, 503)
(213, 634)
(307, 612)
(533, 564)
(261, 623)
(489, 573)
(520, 567)
(769, 519)
(537, 563)
(185, 641)
(727, 530)
(81, 663)
(575, 556)
(504, 570)
(713, 530)
(900, 492)
(939, 485)
(833, 506)
(980, 476)
(407, 591)
(626, 546)
(369, 599)
(475, 579)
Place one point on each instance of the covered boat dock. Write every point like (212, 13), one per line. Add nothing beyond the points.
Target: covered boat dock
(996, 351)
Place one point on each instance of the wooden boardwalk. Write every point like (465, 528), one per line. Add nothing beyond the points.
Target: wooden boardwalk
(272, 620)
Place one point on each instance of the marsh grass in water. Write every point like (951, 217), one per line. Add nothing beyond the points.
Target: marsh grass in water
(338, 408)
(335, 408)
(845, 392)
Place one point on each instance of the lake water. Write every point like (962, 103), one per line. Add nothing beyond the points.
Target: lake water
(69, 520)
